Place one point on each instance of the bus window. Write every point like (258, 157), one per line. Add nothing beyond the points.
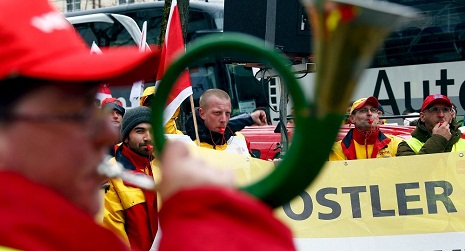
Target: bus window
(104, 34)
(248, 92)
(435, 45)
(435, 37)
(202, 79)
(199, 21)
(153, 17)
(202, 16)
(459, 35)
(106, 29)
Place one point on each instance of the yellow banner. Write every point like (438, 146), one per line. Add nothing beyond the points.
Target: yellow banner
(246, 168)
(376, 197)
(403, 203)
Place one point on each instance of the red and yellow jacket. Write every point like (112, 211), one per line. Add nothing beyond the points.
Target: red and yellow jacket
(130, 212)
(365, 145)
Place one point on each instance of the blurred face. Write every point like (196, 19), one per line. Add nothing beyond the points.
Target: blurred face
(58, 139)
(216, 114)
(115, 118)
(139, 137)
(365, 118)
(436, 113)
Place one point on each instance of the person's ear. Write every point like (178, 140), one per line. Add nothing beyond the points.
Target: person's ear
(351, 119)
(422, 116)
(202, 113)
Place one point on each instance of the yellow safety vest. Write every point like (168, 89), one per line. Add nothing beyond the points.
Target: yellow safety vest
(416, 145)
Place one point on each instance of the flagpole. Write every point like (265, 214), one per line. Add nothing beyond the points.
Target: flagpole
(138, 87)
(194, 116)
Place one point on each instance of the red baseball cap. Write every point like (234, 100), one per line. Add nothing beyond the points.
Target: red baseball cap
(434, 99)
(112, 100)
(113, 104)
(37, 41)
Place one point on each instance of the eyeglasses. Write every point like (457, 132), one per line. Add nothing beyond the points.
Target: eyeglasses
(437, 109)
(365, 110)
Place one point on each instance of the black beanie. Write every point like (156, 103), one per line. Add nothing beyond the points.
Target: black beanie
(133, 117)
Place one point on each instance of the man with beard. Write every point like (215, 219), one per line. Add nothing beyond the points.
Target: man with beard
(215, 129)
(130, 212)
(365, 141)
(437, 130)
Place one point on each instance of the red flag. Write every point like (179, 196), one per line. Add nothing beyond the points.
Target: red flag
(103, 91)
(173, 46)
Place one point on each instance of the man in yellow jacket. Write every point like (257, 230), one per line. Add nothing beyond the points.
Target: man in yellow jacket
(365, 141)
(215, 129)
(130, 212)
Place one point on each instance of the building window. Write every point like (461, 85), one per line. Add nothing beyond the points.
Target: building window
(73, 5)
(125, 1)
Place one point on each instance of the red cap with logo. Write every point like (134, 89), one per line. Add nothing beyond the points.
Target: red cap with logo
(434, 99)
(36, 41)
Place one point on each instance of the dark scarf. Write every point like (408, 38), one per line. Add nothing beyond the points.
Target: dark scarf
(205, 135)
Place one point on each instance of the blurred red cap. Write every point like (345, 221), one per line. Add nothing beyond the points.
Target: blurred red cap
(36, 41)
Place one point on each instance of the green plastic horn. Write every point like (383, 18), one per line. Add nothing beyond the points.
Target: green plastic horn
(317, 122)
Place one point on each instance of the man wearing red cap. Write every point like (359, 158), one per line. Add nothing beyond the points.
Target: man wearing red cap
(436, 132)
(114, 110)
(365, 141)
(51, 189)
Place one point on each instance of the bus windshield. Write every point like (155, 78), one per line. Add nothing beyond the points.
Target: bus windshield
(437, 36)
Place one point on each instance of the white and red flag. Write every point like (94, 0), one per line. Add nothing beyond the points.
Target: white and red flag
(173, 46)
(94, 49)
(103, 91)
